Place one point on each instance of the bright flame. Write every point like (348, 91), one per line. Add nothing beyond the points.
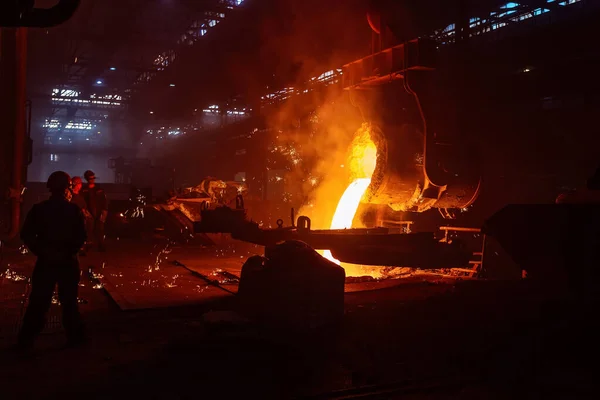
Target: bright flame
(363, 154)
(362, 161)
(346, 209)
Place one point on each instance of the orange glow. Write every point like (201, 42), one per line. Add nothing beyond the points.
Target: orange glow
(362, 160)
(363, 154)
(346, 209)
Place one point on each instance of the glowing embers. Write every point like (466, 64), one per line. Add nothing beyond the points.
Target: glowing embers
(13, 276)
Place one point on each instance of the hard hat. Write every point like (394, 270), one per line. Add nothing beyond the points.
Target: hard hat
(58, 181)
(89, 175)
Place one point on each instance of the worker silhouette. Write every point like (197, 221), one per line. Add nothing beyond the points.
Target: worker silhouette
(54, 231)
(97, 205)
(79, 200)
(77, 196)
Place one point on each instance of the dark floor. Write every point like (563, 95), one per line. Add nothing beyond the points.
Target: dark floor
(158, 330)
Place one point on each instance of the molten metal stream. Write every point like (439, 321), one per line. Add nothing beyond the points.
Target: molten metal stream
(346, 209)
(362, 160)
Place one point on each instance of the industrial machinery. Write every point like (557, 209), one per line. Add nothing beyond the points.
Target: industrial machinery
(378, 246)
(210, 193)
(423, 159)
(215, 190)
(422, 162)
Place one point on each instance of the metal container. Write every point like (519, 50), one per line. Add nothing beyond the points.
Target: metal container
(402, 178)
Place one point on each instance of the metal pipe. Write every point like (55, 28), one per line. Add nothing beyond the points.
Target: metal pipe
(459, 229)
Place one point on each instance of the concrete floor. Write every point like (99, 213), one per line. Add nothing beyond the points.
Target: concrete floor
(159, 331)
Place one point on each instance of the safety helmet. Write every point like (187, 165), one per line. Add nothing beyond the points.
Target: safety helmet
(58, 181)
(89, 174)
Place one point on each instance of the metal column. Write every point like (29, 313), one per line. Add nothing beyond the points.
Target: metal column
(13, 77)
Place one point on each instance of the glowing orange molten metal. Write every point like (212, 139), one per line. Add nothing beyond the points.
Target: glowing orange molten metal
(362, 161)
(346, 209)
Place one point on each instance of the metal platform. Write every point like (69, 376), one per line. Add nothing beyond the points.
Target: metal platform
(376, 246)
(389, 64)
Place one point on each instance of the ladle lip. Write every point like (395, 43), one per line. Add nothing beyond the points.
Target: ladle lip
(378, 177)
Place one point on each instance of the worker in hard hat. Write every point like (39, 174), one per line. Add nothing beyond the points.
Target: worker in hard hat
(77, 196)
(79, 200)
(97, 205)
(54, 231)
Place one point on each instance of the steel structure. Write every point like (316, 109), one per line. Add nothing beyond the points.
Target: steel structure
(86, 71)
(508, 14)
(483, 25)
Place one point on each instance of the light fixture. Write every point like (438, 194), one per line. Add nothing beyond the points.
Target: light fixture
(151, 112)
(113, 69)
(99, 82)
(172, 85)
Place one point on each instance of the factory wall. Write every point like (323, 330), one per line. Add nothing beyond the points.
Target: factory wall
(75, 164)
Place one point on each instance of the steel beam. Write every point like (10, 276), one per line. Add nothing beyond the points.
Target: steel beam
(13, 78)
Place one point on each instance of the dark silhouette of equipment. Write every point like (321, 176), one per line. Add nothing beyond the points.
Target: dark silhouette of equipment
(377, 246)
(314, 300)
(22, 13)
(556, 244)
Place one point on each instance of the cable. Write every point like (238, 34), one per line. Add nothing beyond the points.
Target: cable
(353, 103)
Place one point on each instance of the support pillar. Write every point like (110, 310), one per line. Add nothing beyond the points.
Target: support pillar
(13, 137)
